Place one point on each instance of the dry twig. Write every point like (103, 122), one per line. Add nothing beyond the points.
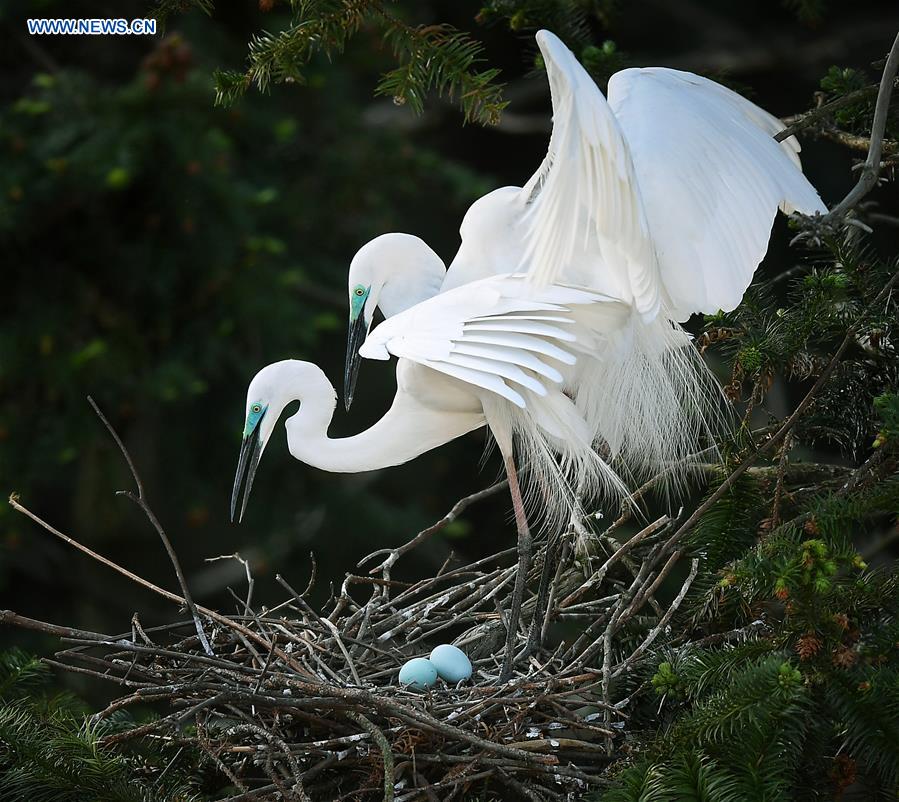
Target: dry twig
(141, 501)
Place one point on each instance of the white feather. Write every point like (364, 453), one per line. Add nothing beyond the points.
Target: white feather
(711, 177)
(636, 392)
(558, 312)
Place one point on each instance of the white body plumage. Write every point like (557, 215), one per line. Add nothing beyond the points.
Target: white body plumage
(556, 321)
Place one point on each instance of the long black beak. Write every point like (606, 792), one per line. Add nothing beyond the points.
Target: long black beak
(355, 338)
(250, 454)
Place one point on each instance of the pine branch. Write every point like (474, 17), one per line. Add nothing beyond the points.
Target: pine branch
(432, 58)
(784, 429)
(442, 59)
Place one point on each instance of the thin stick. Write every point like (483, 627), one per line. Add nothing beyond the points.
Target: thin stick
(458, 508)
(663, 621)
(384, 746)
(246, 566)
(141, 501)
(802, 121)
(346, 655)
(781, 475)
(16, 620)
(600, 573)
(647, 593)
(871, 169)
(120, 444)
(167, 594)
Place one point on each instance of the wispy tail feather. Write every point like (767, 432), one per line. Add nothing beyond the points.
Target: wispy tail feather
(559, 466)
(652, 399)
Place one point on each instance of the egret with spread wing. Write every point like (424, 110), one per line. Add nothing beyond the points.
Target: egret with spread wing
(555, 323)
(497, 352)
(663, 196)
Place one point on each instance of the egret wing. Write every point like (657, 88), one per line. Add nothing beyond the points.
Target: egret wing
(498, 334)
(711, 179)
(585, 196)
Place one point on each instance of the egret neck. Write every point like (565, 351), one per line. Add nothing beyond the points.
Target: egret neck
(408, 429)
(392, 272)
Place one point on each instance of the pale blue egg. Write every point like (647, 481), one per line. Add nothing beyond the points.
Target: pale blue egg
(418, 673)
(452, 663)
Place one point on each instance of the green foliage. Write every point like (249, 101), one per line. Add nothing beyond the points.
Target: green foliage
(841, 81)
(50, 752)
(441, 58)
(602, 62)
(790, 692)
(759, 696)
(688, 778)
(730, 523)
(568, 19)
(856, 94)
(866, 702)
(161, 250)
(666, 681)
(810, 12)
(431, 58)
(887, 406)
(180, 241)
(814, 676)
(789, 327)
(701, 671)
(20, 674)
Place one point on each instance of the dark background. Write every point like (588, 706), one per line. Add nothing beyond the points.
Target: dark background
(158, 250)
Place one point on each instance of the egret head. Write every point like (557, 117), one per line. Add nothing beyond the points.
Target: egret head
(393, 272)
(268, 394)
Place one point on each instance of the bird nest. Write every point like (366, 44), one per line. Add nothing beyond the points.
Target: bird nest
(299, 703)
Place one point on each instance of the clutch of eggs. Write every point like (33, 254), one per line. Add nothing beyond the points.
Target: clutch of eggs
(446, 661)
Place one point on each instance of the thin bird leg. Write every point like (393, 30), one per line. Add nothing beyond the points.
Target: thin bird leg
(540, 621)
(550, 560)
(525, 546)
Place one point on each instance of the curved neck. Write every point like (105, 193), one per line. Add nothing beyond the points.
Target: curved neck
(412, 273)
(405, 431)
(404, 290)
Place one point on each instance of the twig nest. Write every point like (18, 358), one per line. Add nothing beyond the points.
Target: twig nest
(451, 663)
(418, 673)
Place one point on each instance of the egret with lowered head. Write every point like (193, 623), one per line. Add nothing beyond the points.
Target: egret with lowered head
(555, 324)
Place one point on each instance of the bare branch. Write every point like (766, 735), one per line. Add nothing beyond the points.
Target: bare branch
(141, 501)
(871, 169)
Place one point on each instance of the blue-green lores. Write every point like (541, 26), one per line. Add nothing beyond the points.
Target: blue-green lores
(255, 414)
(357, 300)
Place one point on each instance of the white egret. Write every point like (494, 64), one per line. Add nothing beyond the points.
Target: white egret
(555, 324)
(392, 273)
(663, 196)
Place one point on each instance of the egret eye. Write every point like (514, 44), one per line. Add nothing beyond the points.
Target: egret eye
(256, 408)
(359, 291)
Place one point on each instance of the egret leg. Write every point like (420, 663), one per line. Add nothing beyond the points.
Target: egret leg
(540, 621)
(550, 561)
(525, 546)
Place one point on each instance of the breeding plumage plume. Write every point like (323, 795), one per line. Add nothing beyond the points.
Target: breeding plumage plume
(556, 324)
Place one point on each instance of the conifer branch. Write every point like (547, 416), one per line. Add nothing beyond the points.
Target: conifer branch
(802, 121)
(436, 58)
(785, 428)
